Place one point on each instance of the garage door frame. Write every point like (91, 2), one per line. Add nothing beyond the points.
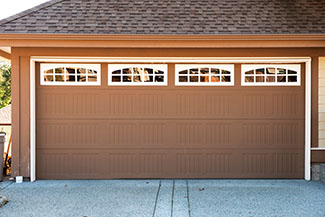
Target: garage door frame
(306, 60)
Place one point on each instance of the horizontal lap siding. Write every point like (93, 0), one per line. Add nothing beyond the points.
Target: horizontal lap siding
(170, 132)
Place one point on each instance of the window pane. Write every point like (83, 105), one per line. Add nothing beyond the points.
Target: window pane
(148, 78)
(159, 78)
(259, 78)
(127, 71)
(225, 72)
(81, 78)
(136, 78)
(71, 70)
(81, 71)
(127, 78)
(291, 72)
(116, 72)
(260, 71)
(148, 71)
(225, 78)
(138, 71)
(204, 70)
(59, 78)
(270, 70)
(92, 78)
(194, 78)
(281, 71)
(182, 78)
(204, 78)
(50, 71)
(71, 78)
(215, 71)
(249, 72)
(215, 78)
(194, 71)
(59, 71)
(270, 79)
(116, 78)
(183, 72)
(249, 78)
(281, 78)
(48, 78)
(159, 72)
(292, 78)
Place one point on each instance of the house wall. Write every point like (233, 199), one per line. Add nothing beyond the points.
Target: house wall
(21, 87)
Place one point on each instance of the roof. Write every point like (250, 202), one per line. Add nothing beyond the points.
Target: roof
(169, 17)
(5, 115)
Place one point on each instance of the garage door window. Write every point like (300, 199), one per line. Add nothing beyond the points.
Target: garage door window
(137, 75)
(270, 75)
(70, 74)
(204, 75)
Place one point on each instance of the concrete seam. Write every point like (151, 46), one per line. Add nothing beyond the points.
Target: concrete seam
(157, 196)
(188, 199)
(172, 202)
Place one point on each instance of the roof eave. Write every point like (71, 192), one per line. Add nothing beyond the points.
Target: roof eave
(81, 40)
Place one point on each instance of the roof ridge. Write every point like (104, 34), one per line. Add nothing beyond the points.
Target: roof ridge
(29, 11)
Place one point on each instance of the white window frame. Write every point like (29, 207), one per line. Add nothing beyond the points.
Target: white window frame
(114, 67)
(248, 67)
(47, 66)
(228, 67)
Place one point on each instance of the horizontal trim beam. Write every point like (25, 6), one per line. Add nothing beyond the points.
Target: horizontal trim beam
(175, 59)
(161, 41)
(5, 55)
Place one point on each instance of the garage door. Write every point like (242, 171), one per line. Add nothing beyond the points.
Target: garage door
(169, 121)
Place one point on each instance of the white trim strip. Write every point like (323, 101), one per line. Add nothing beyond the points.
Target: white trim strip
(32, 122)
(175, 59)
(308, 120)
(318, 149)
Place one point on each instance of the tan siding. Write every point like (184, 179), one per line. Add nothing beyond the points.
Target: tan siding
(321, 103)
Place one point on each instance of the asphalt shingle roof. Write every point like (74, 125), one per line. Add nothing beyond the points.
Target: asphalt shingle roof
(170, 17)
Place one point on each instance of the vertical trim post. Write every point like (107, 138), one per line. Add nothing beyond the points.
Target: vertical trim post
(308, 120)
(32, 122)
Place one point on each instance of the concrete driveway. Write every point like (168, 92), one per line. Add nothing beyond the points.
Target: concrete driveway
(177, 198)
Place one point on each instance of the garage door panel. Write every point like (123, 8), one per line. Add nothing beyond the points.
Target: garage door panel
(275, 105)
(169, 133)
(107, 132)
(273, 133)
(206, 104)
(189, 163)
(74, 133)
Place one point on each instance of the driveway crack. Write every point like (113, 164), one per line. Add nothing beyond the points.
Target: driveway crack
(6, 186)
(157, 196)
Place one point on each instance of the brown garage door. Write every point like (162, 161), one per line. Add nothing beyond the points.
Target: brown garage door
(107, 132)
